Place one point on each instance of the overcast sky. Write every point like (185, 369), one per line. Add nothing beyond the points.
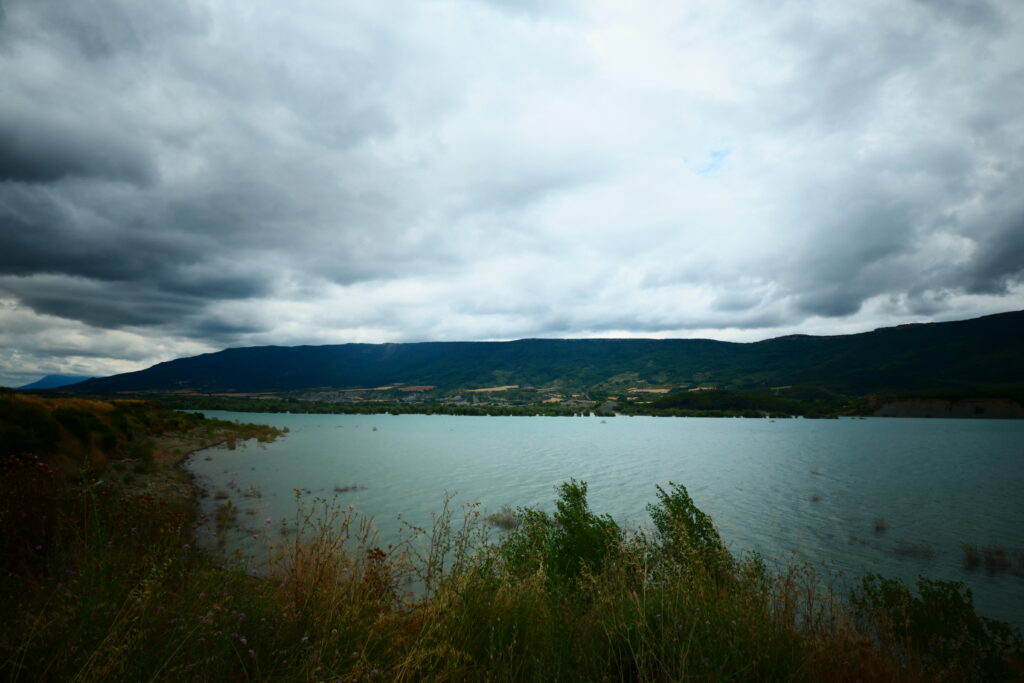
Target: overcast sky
(179, 177)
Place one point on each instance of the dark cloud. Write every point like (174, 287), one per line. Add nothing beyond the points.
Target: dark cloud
(188, 176)
(37, 148)
(104, 305)
(47, 234)
(1000, 261)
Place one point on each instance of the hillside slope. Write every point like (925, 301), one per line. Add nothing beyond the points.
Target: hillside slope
(979, 355)
(54, 381)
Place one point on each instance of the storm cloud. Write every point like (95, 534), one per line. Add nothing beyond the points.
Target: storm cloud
(180, 178)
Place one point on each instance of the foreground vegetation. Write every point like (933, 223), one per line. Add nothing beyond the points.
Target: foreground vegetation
(102, 584)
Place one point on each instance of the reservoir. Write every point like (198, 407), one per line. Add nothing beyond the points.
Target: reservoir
(899, 497)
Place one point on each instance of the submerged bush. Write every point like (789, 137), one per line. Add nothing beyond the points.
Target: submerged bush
(938, 624)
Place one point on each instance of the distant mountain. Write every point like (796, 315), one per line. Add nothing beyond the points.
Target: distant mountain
(973, 356)
(55, 381)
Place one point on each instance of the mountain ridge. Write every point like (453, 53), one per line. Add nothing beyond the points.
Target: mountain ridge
(54, 382)
(980, 353)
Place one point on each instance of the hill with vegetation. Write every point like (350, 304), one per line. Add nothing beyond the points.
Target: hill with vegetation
(963, 358)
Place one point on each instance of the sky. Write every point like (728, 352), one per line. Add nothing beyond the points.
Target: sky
(181, 177)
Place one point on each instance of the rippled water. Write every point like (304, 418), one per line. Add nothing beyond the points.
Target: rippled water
(805, 488)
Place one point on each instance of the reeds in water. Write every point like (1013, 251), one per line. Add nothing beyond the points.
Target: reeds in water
(995, 559)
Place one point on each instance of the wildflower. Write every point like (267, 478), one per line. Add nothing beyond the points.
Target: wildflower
(268, 521)
(39, 547)
(252, 653)
(243, 641)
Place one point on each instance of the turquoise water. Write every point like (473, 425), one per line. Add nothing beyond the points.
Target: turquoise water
(803, 489)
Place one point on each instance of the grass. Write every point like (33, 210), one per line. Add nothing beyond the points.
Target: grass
(100, 586)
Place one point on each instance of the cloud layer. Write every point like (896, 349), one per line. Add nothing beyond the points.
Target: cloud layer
(180, 178)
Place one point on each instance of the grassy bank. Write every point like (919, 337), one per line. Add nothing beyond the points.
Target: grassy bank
(134, 444)
(103, 583)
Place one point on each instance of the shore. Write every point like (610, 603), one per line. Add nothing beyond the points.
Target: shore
(167, 479)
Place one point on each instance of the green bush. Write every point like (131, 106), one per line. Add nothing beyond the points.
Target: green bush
(581, 538)
(564, 544)
(938, 624)
(684, 534)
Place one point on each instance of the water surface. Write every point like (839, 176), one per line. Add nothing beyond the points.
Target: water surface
(803, 489)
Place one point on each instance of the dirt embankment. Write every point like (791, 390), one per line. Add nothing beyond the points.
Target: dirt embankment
(961, 408)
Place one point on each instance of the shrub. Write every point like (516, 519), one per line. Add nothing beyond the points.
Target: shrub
(581, 538)
(938, 625)
(563, 544)
(684, 533)
(25, 428)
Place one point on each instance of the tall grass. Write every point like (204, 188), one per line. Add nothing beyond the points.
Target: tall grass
(100, 586)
